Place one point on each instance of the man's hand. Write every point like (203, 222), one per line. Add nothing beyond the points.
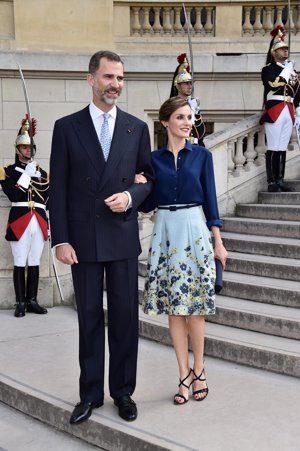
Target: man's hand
(66, 254)
(117, 202)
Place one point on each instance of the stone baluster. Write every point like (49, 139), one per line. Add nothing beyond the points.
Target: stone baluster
(136, 26)
(291, 22)
(239, 158)
(268, 22)
(298, 20)
(257, 26)
(247, 27)
(279, 10)
(208, 27)
(230, 156)
(198, 24)
(146, 26)
(177, 23)
(188, 23)
(156, 26)
(167, 26)
(293, 144)
(250, 153)
(260, 147)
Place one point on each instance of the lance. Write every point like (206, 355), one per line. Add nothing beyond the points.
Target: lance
(31, 155)
(289, 24)
(28, 111)
(190, 45)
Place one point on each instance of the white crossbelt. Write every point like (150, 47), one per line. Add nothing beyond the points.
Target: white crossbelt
(28, 205)
(287, 99)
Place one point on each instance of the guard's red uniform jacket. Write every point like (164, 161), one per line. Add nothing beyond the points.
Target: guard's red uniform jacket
(278, 92)
(25, 202)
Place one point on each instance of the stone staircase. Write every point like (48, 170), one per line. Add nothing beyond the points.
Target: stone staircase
(258, 315)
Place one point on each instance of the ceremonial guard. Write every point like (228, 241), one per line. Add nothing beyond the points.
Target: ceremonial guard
(26, 186)
(281, 102)
(182, 86)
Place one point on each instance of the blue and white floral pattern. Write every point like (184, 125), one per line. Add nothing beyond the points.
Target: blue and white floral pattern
(181, 268)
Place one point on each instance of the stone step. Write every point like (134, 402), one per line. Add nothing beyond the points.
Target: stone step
(261, 265)
(261, 289)
(258, 317)
(44, 386)
(279, 198)
(289, 229)
(293, 184)
(262, 245)
(277, 212)
(255, 349)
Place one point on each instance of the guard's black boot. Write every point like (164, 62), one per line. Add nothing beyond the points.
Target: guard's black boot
(19, 285)
(281, 170)
(32, 305)
(272, 169)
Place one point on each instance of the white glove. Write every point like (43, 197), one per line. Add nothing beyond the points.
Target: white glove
(30, 171)
(289, 64)
(297, 122)
(288, 70)
(31, 168)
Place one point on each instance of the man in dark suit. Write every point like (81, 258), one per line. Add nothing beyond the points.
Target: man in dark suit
(94, 227)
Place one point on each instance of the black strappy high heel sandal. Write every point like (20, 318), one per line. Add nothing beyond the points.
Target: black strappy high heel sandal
(202, 390)
(178, 395)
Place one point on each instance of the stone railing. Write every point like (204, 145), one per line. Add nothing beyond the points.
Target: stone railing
(241, 149)
(216, 19)
(149, 19)
(260, 20)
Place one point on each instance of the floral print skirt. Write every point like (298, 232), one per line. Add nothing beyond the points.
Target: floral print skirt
(181, 271)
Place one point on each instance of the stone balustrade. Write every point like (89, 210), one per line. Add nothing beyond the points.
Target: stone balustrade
(171, 20)
(205, 20)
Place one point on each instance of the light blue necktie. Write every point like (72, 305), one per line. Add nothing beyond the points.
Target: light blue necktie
(105, 139)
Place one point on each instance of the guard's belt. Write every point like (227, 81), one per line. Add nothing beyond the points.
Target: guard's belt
(30, 204)
(287, 99)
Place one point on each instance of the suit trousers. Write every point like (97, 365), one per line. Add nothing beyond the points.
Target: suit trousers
(122, 316)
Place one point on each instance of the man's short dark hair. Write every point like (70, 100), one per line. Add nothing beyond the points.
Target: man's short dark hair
(96, 58)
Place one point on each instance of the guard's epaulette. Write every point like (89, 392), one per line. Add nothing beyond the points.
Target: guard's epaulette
(2, 173)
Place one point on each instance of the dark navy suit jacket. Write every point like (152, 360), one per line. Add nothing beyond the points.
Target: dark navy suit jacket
(80, 180)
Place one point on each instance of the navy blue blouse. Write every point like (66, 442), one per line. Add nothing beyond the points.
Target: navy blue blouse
(191, 182)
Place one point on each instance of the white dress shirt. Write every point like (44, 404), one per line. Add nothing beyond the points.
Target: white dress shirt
(97, 118)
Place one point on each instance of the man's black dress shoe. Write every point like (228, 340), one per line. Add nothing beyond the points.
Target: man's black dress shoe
(83, 411)
(127, 408)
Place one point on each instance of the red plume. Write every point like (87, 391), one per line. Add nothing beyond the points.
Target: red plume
(181, 58)
(276, 31)
(33, 123)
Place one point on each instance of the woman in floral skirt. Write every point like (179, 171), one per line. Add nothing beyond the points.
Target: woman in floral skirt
(181, 264)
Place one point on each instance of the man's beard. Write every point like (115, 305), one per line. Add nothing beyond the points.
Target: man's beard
(108, 100)
(104, 98)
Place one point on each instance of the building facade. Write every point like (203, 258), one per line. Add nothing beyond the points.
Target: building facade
(52, 41)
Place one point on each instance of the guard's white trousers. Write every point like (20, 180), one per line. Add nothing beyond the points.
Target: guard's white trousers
(279, 133)
(30, 246)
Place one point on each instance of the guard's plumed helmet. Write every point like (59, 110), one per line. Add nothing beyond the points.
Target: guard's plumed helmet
(23, 137)
(181, 74)
(183, 70)
(278, 38)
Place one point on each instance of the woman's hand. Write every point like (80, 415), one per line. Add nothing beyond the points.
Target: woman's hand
(140, 178)
(221, 253)
(219, 249)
